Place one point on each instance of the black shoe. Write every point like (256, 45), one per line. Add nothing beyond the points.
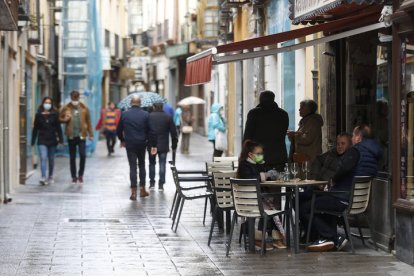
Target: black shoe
(321, 245)
(340, 243)
(152, 186)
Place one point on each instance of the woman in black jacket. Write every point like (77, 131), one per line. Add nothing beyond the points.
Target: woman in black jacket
(48, 133)
(251, 166)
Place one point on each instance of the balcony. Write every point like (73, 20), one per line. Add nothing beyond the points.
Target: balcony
(9, 15)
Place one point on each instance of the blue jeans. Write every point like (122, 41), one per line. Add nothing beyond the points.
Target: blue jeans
(162, 159)
(47, 152)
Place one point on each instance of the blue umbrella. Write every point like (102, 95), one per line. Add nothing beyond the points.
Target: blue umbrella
(147, 99)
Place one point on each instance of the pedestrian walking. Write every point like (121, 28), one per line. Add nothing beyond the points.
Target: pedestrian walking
(186, 129)
(168, 109)
(48, 134)
(107, 125)
(216, 127)
(267, 124)
(135, 133)
(75, 115)
(163, 127)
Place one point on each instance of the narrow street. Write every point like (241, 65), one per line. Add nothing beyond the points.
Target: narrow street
(94, 229)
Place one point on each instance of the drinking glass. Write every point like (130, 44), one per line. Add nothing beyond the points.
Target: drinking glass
(294, 168)
(305, 169)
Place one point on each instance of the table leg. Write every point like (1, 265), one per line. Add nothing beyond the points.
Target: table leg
(251, 234)
(296, 229)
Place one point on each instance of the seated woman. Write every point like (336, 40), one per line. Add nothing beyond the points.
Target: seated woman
(251, 165)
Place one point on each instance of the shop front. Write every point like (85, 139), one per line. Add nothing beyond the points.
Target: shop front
(403, 128)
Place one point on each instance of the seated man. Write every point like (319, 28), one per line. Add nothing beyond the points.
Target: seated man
(370, 151)
(336, 165)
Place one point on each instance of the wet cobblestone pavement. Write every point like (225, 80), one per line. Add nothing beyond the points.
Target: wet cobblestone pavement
(94, 229)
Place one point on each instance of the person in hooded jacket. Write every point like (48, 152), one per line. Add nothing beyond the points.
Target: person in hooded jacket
(307, 140)
(267, 124)
(48, 133)
(216, 122)
(370, 151)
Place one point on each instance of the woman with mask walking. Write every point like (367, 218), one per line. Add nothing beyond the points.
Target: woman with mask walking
(47, 132)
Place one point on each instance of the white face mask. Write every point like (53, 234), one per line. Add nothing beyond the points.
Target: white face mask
(75, 103)
(47, 106)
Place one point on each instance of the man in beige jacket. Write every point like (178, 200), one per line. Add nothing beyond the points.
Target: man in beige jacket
(78, 127)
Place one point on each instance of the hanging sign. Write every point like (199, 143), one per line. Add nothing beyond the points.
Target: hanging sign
(303, 9)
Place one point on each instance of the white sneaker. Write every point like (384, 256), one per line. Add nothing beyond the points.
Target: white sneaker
(43, 181)
(51, 180)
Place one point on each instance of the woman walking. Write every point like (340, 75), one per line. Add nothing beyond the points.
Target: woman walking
(47, 132)
(216, 124)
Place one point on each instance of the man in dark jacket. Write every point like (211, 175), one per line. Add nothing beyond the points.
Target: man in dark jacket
(163, 126)
(135, 133)
(338, 166)
(369, 149)
(267, 124)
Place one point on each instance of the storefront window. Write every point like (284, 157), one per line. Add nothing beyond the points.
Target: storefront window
(407, 121)
(368, 97)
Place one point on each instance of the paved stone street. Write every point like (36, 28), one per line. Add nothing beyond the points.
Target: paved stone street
(94, 229)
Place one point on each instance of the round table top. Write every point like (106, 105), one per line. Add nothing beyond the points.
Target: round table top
(294, 182)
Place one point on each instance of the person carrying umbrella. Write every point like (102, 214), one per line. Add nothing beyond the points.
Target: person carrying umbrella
(135, 133)
(163, 126)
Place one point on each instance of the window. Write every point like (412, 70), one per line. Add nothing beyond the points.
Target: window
(116, 45)
(407, 121)
(107, 39)
(210, 23)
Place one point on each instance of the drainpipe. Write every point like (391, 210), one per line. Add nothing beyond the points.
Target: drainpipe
(5, 114)
(2, 105)
(259, 62)
(22, 110)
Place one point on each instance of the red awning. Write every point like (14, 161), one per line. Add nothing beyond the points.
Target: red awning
(198, 69)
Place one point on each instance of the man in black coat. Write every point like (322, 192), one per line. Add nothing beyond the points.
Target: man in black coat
(163, 126)
(135, 134)
(267, 124)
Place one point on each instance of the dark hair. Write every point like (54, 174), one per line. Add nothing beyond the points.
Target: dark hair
(109, 103)
(248, 146)
(158, 106)
(266, 97)
(346, 135)
(41, 109)
(311, 105)
(364, 130)
(75, 94)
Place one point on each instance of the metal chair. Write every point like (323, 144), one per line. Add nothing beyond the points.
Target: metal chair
(184, 194)
(196, 176)
(225, 159)
(358, 203)
(223, 196)
(247, 200)
(212, 167)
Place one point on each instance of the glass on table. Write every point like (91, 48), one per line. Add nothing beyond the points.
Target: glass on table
(306, 169)
(294, 168)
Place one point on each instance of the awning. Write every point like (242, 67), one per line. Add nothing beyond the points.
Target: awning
(198, 69)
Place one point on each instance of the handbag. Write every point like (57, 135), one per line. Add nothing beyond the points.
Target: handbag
(221, 140)
(187, 129)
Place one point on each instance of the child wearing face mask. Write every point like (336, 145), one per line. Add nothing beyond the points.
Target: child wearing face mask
(252, 166)
(48, 134)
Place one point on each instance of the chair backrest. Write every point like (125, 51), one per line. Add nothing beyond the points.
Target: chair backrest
(361, 189)
(225, 159)
(247, 197)
(213, 167)
(176, 180)
(222, 189)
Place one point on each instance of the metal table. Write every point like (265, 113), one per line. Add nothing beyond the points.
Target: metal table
(295, 185)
